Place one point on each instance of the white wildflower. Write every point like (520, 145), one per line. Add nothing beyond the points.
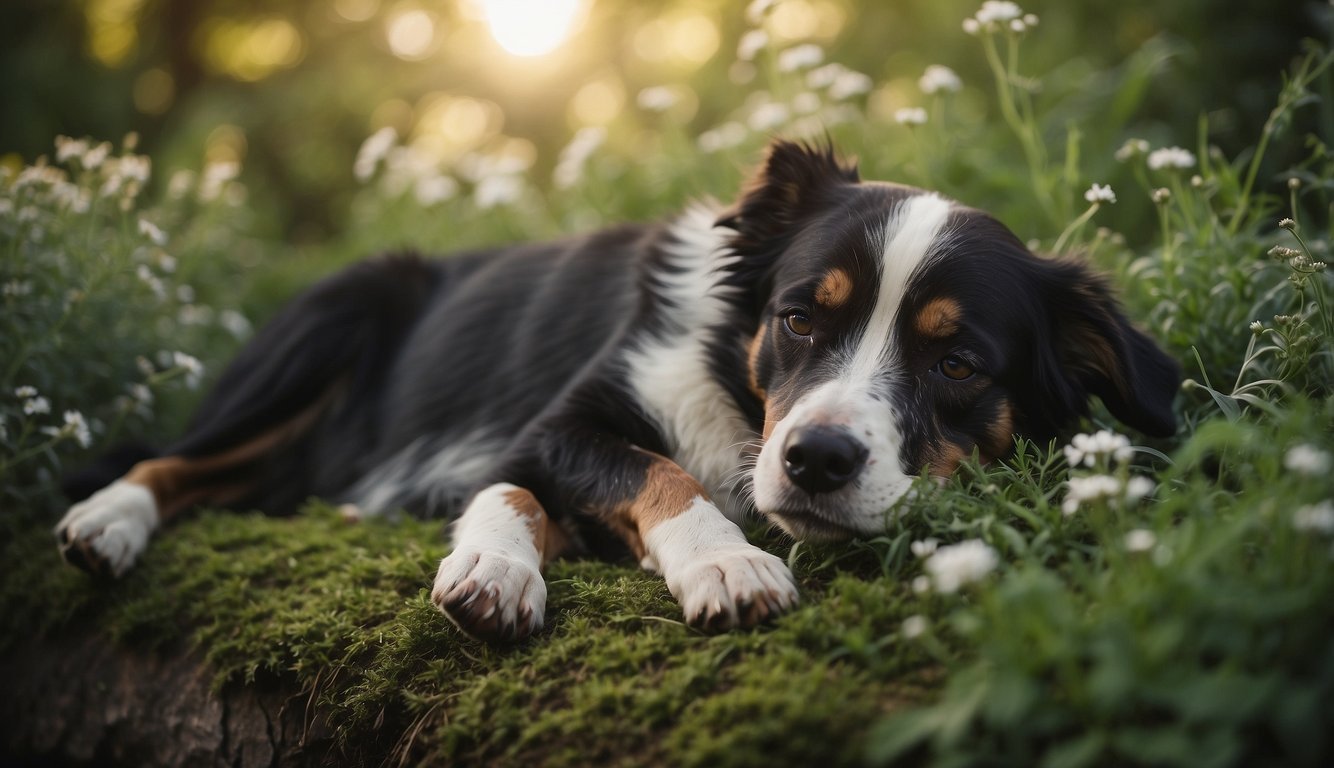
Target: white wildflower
(1318, 518)
(657, 98)
(798, 57)
(1306, 459)
(151, 280)
(823, 77)
(910, 116)
(1031, 19)
(1132, 148)
(1138, 487)
(372, 151)
(6, 206)
(195, 314)
(25, 391)
(35, 406)
(499, 189)
(955, 565)
(1099, 193)
(1257, 327)
(1140, 540)
(194, 370)
(805, 103)
(1161, 195)
(180, 184)
(994, 14)
(751, 44)
(725, 136)
(1171, 157)
(937, 78)
(849, 84)
(925, 547)
(431, 190)
(135, 168)
(570, 167)
(768, 116)
(1287, 224)
(1087, 449)
(16, 288)
(27, 213)
(67, 148)
(152, 232)
(215, 178)
(1089, 489)
(921, 584)
(92, 158)
(914, 626)
(77, 428)
(140, 393)
(758, 9)
(234, 323)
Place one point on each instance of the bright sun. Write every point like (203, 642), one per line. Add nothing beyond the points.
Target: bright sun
(530, 27)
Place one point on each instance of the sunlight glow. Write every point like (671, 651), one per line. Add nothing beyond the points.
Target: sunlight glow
(531, 27)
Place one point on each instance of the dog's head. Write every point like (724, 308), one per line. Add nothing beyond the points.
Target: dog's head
(897, 330)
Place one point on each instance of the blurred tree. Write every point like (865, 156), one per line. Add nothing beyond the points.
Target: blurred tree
(291, 88)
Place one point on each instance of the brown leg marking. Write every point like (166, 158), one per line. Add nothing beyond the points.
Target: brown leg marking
(179, 482)
(668, 491)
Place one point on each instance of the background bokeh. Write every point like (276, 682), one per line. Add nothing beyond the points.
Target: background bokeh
(290, 88)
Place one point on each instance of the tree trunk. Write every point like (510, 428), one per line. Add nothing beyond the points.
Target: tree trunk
(76, 701)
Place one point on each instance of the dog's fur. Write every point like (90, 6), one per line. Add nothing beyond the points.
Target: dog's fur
(805, 353)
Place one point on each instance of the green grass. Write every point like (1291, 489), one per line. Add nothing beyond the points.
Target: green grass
(1188, 628)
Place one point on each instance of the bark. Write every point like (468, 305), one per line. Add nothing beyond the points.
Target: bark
(91, 701)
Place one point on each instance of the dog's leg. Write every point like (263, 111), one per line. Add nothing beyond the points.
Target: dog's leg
(721, 580)
(662, 513)
(107, 532)
(491, 584)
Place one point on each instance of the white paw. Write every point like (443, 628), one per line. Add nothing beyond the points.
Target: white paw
(490, 595)
(737, 586)
(107, 532)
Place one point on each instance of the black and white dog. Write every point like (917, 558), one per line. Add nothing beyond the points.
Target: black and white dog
(805, 353)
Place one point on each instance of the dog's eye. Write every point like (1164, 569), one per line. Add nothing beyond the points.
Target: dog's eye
(953, 367)
(798, 323)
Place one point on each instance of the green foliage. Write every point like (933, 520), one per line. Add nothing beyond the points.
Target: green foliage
(1092, 604)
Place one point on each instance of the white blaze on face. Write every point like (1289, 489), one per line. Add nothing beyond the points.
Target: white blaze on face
(857, 396)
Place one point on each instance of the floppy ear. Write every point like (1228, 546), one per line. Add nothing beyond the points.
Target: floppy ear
(1096, 351)
(792, 183)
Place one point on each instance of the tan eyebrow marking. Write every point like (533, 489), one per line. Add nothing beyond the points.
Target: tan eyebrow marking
(939, 318)
(835, 289)
(753, 361)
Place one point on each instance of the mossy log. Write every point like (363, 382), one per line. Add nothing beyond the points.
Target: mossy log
(93, 701)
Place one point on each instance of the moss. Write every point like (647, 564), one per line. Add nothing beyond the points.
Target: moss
(342, 613)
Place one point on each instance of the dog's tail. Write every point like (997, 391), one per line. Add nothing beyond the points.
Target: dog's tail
(318, 365)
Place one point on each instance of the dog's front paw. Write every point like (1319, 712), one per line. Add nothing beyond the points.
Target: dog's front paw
(490, 595)
(105, 533)
(734, 587)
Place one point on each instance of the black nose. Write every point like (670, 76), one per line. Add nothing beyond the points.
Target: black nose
(822, 459)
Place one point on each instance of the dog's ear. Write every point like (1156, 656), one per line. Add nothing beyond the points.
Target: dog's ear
(792, 183)
(789, 184)
(1094, 350)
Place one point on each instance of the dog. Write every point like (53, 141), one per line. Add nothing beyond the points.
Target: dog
(805, 353)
